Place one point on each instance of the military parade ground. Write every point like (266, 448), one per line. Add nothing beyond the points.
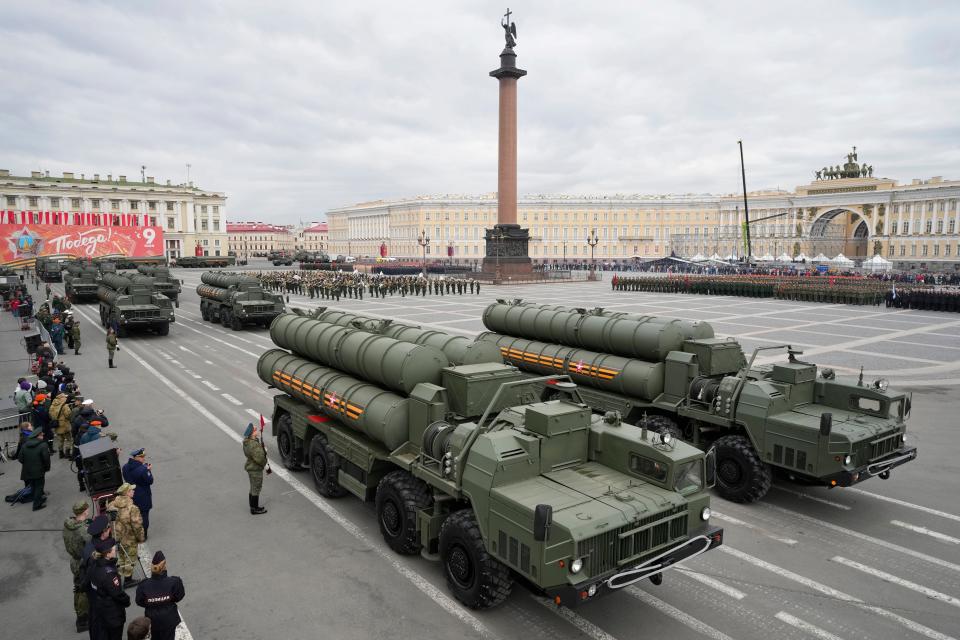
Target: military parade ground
(877, 560)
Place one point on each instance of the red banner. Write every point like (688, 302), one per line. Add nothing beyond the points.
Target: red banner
(21, 244)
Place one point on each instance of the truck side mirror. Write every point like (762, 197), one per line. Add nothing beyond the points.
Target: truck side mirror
(710, 464)
(826, 423)
(542, 519)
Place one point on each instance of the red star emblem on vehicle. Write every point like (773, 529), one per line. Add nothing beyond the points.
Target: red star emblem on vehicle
(580, 367)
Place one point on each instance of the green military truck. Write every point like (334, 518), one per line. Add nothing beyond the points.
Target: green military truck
(129, 305)
(50, 268)
(204, 262)
(819, 429)
(163, 281)
(466, 464)
(235, 300)
(80, 282)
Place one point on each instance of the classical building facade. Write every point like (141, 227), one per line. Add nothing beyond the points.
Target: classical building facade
(193, 219)
(258, 238)
(915, 225)
(314, 237)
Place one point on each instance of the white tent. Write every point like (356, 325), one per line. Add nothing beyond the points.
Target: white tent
(698, 258)
(820, 258)
(765, 258)
(716, 256)
(842, 260)
(730, 257)
(783, 257)
(801, 257)
(877, 263)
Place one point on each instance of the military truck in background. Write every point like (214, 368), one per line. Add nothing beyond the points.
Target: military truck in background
(163, 281)
(80, 282)
(468, 465)
(9, 281)
(320, 261)
(676, 376)
(130, 305)
(50, 268)
(204, 262)
(279, 258)
(235, 300)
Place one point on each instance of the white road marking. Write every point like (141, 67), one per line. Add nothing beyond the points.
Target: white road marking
(444, 601)
(207, 362)
(192, 374)
(807, 496)
(892, 579)
(942, 537)
(750, 525)
(230, 398)
(585, 626)
(257, 415)
(223, 342)
(212, 386)
(816, 632)
(862, 536)
(681, 617)
(183, 348)
(176, 362)
(722, 587)
(836, 594)
(904, 503)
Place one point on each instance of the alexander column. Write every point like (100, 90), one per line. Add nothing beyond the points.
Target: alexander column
(507, 244)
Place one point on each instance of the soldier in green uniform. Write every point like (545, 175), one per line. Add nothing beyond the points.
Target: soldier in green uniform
(74, 541)
(111, 346)
(256, 455)
(75, 337)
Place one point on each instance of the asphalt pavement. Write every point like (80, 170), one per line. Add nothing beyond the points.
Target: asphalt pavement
(878, 561)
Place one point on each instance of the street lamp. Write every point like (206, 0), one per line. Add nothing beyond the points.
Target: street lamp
(592, 241)
(424, 242)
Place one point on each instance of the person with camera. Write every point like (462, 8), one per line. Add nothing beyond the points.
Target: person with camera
(74, 540)
(128, 529)
(138, 472)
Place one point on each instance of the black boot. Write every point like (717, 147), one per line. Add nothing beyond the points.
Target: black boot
(111, 364)
(83, 624)
(255, 507)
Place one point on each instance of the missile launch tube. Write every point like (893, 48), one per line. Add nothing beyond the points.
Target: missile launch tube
(115, 281)
(376, 358)
(691, 329)
(616, 336)
(226, 280)
(378, 413)
(458, 349)
(213, 293)
(626, 376)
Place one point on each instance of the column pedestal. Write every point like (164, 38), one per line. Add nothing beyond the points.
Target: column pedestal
(507, 254)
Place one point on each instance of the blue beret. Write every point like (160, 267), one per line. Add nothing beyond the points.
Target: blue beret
(249, 431)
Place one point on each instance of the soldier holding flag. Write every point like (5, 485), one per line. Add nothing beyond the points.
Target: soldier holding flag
(256, 455)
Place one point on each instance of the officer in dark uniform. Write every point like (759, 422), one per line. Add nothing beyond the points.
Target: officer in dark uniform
(109, 600)
(159, 595)
(99, 529)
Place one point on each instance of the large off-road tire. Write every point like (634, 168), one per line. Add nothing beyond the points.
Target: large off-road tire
(476, 578)
(324, 467)
(741, 475)
(204, 313)
(399, 497)
(163, 329)
(663, 424)
(225, 317)
(290, 453)
(235, 323)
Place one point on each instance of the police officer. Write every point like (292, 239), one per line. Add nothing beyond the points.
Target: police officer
(159, 595)
(109, 601)
(74, 541)
(138, 472)
(256, 456)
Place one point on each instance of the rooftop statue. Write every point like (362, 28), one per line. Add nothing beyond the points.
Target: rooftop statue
(509, 29)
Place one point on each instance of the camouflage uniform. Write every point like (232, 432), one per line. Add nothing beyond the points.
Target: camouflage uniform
(128, 530)
(75, 337)
(256, 461)
(74, 541)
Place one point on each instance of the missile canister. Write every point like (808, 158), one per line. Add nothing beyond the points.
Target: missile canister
(116, 281)
(213, 293)
(627, 376)
(458, 349)
(139, 278)
(227, 280)
(691, 329)
(378, 413)
(376, 358)
(617, 336)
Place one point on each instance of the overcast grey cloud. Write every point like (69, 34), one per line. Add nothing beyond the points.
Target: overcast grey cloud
(293, 108)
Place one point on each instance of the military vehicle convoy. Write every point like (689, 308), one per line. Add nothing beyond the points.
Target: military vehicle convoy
(205, 262)
(130, 305)
(320, 261)
(80, 282)
(50, 268)
(235, 300)
(280, 258)
(823, 430)
(163, 281)
(468, 465)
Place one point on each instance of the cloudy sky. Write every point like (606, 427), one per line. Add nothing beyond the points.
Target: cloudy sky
(293, 108)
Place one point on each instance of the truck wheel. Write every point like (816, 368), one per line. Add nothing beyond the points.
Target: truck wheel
(225, 317)
(399, 497)
(663, 424)
(741, 475)
(476, 578)
(324, 466)
(163, 329)
(235, 323)
(204, 314)
(290, 454)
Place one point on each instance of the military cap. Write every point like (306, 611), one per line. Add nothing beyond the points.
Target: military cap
(136, 453)
(126, 486)
(158, 557)
(98, 525)
(88, 402)
(103, 546)
(79, 507)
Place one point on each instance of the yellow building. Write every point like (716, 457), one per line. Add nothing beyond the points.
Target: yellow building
(248, 239)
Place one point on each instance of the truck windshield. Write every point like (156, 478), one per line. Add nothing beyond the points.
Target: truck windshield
(689, 478)
(644, 466)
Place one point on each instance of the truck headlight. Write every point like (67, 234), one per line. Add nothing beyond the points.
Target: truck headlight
(903, 437)
(576, 565)
(705, 513)
(666, 438)
(847, 460)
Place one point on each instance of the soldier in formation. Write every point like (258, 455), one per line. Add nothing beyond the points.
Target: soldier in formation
(924, 298)
(334, 285)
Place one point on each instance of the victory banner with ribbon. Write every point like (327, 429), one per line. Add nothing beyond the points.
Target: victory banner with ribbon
(22, 244)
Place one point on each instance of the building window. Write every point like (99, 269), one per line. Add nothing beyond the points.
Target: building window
(203, 208)
(936, 249)
(923, 250)
(153, 221)
(893, 228)
(903, 250)
(913, 250)
(929, 226)
(152, 205)
(205, 243)
(896, 208)
(54, 203)
(939, 226)
(952, 226)
(216, 242)
(946, 250)
(169, 206)
(890, 250)
(906, 228)
(114, 205)
(203, 225)
(216, 225)
(33, 200)
(95, 204)
(134, 205)
(929, 207)
(74, 203)
(216, 208)
(170, 223)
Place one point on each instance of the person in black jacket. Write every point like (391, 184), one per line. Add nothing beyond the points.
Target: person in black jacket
(35, 458)
(109, 602)
(159, 595)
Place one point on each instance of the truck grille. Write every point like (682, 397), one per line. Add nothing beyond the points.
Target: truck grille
(260, 308)
(884, 445)
(143, 315)
(630, 543)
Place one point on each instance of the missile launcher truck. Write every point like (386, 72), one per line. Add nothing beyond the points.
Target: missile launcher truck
(163, 281)
(235, 300)
(466, 464)
(50, 268)
(80, 282)
(676, 376)
(130, 305)
(205, 262)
